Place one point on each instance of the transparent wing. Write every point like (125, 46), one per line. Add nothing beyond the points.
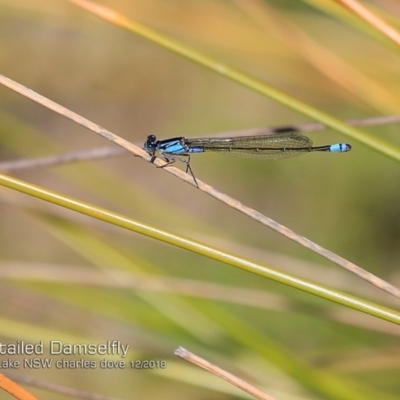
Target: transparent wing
(272, 147)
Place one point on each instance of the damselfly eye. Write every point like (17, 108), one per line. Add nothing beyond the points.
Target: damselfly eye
(151, 139)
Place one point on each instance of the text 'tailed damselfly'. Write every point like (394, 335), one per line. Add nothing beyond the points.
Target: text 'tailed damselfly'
(282, 144)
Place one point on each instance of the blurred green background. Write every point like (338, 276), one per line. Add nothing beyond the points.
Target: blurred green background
(63, 273)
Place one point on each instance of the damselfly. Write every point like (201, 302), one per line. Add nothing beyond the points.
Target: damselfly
(281, 144)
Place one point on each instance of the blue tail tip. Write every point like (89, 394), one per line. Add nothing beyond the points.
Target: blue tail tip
(340, 147)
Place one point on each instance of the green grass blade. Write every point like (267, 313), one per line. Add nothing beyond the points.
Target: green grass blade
(200, 248)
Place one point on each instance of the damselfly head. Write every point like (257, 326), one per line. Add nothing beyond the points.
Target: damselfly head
(151, 143)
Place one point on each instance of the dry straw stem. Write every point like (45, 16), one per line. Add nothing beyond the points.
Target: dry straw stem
(98, 153)
(368, 16)
(231, 202)
(221, 373)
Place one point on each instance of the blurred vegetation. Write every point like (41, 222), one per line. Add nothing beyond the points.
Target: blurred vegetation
(63, 274)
